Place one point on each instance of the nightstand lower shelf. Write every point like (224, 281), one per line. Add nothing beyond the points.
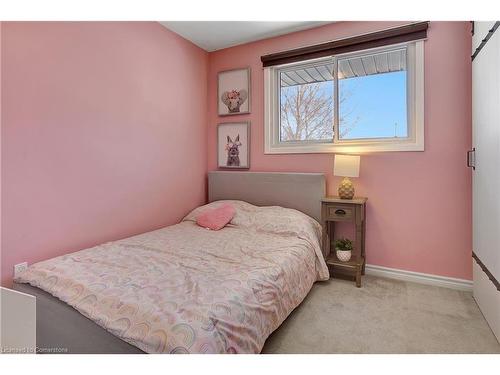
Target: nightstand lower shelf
(354, 266)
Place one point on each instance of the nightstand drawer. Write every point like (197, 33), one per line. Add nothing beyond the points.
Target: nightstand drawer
(334, 212)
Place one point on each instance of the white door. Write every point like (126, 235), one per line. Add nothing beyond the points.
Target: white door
(486, 175)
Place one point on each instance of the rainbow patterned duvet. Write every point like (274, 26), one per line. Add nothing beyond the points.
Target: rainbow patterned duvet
(186, 289)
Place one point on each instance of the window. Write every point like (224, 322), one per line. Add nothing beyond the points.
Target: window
(306, 102)
(372, 96)
(362, 101)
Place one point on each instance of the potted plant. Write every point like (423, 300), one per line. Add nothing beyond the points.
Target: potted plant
(343, 247)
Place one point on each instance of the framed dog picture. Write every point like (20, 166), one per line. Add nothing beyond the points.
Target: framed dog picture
(233, 145)
(233, 92)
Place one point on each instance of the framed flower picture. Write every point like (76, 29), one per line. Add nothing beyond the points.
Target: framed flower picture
(233, 92)
(233, 145)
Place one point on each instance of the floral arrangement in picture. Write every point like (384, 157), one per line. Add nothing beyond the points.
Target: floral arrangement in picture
(234, 99)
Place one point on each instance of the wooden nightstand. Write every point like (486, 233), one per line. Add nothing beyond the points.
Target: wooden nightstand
(333, 210)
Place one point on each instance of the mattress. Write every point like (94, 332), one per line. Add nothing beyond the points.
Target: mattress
(186, 289)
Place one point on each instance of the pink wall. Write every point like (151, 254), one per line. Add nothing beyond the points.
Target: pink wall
(103, 138)
(419, 211)
(103, 134)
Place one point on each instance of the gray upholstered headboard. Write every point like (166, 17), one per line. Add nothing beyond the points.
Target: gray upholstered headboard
(301, 191)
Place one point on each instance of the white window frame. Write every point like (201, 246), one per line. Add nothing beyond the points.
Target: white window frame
(415, 110)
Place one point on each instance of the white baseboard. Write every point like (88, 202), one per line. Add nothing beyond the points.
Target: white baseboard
(417, 277)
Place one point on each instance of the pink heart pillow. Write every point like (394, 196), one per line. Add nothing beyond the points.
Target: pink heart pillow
(216, 218)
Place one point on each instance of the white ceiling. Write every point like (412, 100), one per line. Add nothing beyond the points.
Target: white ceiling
(214, 35)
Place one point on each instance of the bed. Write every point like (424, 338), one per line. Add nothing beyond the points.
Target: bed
(183, 288)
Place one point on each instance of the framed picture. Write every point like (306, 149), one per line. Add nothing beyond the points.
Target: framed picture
(233, 145)
(233, 92)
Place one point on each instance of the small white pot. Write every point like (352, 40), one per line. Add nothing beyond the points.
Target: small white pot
(344, 255)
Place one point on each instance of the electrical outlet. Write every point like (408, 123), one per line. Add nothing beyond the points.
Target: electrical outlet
(18, 268)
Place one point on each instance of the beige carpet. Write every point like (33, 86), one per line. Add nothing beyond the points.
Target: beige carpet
(384, 316)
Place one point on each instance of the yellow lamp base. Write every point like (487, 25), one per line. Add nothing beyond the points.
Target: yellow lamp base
(346, 189)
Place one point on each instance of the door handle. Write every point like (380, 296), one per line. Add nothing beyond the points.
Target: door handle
(471, 158)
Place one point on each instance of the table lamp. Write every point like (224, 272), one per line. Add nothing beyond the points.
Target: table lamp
(346, 166)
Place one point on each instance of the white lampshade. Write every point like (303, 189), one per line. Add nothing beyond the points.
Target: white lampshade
(346, 165)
